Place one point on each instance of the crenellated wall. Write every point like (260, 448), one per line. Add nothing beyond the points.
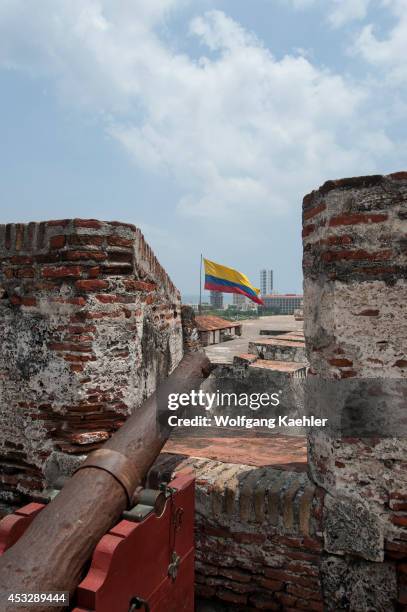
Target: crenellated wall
(89, 323)
(355, 324)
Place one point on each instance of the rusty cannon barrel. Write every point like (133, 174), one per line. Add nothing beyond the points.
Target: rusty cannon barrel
(51, 554)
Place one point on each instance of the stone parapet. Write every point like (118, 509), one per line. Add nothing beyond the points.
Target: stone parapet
(355, 291)
(258, 539)
(89, 324)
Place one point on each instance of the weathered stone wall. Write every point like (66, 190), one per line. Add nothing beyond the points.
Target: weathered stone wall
(279, 350)
(258, 534)
(355, 293)
(242, 378)
(89, 323)
(190, 331)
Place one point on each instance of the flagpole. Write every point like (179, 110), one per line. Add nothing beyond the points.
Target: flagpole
(200, 288)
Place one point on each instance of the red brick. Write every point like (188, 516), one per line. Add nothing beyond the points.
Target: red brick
(308, 229)
(398, 501)
(118, 270)
(348, 374)
(52, 257)
(357, 218)
(301, 556)
(93, 272)
(62, 272)
(57, 223)
(77, 338)
(358, 255)
(26, 273)
(28, 301)
(76, 329)
(398, 176)
(57, 242)
(279, 574)
(302, 568)
(65, 346)
(21, 259)
(369, 312)
(396, 546)
(80, 255)
(76, 301)
(85, 239)
(216, 531)
(301, 542)
(400, 520)
(92, 223)
(271, 585)
(134, 285)
(8, 236)
(234, 574)
(119, 241)
(91, 284)
(79, 357)
(400, 363)
(336, 240)
(248, 538)
(286, 599)
(121, 224)
(110, 299)
(304, 593)
(340, 362)
(375, 271)
(231, 597)
(312, 212)
(120, 256)
(19, 236)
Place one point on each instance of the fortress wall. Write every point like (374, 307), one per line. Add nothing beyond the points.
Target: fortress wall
(89, 324)
(355, 318)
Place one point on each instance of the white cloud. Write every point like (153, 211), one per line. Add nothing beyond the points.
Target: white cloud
(344, 11)
(237, 130)
(387, 52)
(340, 12)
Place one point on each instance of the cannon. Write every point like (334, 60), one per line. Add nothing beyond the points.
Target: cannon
(52, 552)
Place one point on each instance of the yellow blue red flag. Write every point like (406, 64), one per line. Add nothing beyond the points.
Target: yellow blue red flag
(228, 280)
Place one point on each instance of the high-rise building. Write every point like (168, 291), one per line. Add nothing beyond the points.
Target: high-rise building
(216, 299)
(266, 282)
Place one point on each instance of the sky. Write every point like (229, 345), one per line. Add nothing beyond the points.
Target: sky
(203, 122)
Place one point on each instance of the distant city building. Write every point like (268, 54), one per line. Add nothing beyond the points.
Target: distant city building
(239, 300)
(216, 299)
(266, 282)
(285, 303)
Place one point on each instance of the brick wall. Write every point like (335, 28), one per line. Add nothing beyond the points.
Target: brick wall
(257, 534)
(355, 297)
(89, 323)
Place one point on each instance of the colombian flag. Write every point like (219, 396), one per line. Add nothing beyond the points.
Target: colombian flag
(228, 280)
